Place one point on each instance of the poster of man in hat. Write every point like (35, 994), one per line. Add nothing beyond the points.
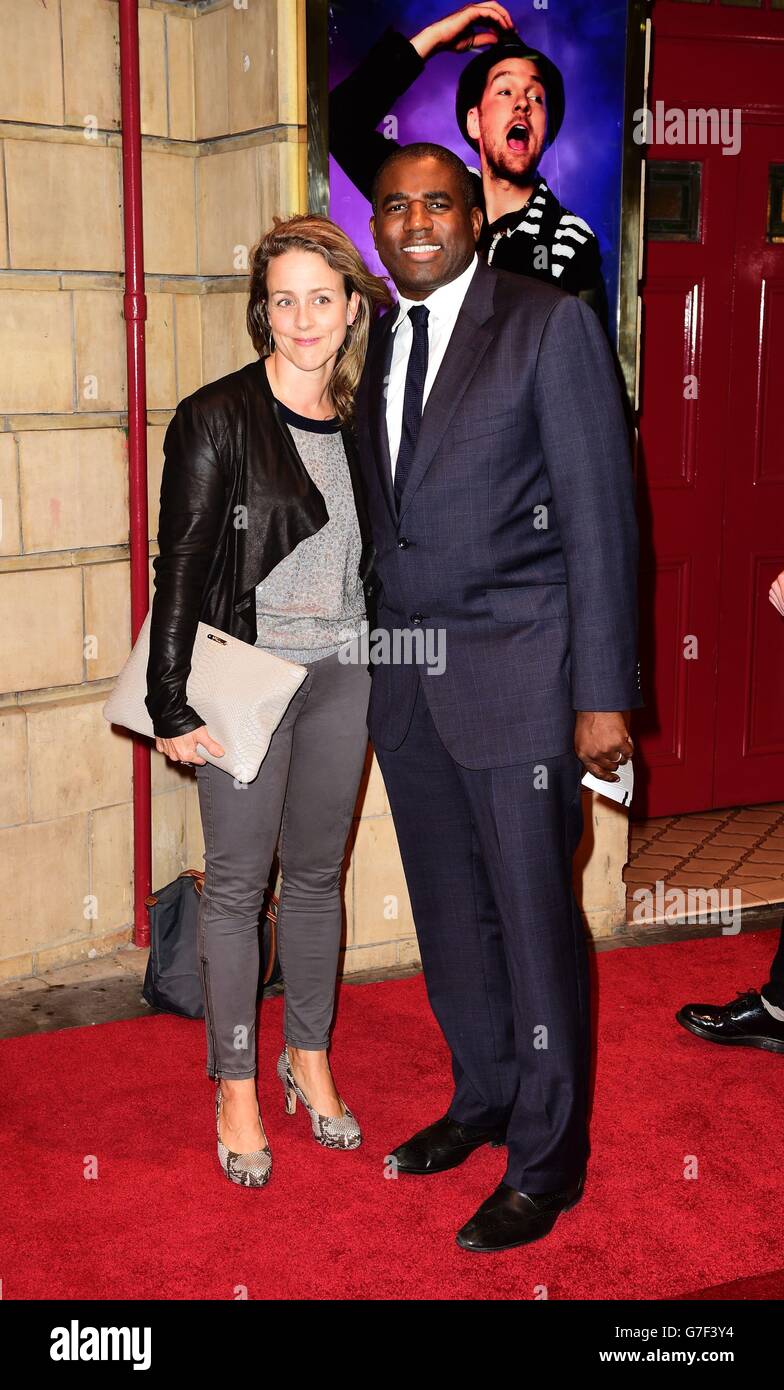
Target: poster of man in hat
(531, 96)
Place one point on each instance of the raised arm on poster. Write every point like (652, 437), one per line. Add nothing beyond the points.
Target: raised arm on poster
(509, 106)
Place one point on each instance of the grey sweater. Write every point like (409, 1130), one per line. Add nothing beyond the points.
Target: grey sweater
(313, 602)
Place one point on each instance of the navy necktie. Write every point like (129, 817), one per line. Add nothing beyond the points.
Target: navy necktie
(413, 397)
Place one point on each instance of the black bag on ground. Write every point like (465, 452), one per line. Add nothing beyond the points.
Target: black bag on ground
(172, 982)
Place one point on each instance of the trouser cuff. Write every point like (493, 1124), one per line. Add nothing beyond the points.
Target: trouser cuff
(773, 1009)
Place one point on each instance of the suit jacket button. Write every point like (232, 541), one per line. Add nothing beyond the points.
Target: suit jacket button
(417, 617)
(403, 543)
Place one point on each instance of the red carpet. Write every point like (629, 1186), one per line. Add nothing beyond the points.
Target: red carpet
(767, 1287)
(162, 1222)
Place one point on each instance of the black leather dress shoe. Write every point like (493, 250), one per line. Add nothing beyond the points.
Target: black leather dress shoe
(509, 1218)
(743, 1023)
(443, 1145)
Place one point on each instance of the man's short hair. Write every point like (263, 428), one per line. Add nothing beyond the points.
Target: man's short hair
(470, 188)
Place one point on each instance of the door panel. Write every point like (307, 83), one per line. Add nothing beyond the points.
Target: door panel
(711, 469)
(749, 759)
(680, 472)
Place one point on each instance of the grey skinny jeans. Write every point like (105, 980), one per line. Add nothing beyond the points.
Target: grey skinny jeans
(305, 793)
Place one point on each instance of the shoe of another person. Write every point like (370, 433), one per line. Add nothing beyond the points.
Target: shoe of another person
(509, 1218)
(444, 1145)
(743, 1023)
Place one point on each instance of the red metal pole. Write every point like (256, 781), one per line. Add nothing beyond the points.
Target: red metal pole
(135, 312)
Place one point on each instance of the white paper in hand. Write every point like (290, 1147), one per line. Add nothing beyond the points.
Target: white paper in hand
(617, 791)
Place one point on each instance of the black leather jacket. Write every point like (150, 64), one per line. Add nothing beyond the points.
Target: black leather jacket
(235, 500)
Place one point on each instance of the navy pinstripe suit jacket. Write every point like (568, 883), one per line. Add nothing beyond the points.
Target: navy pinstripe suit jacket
(519, 519)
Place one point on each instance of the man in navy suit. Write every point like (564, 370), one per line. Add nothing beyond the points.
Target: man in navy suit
(498, 474)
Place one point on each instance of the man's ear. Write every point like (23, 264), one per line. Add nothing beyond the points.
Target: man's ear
(477, 218)
(372, 226)
(472, 122)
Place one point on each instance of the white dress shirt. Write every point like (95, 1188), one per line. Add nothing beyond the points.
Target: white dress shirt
(444, 305)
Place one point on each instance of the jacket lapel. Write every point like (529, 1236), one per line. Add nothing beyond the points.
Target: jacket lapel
(283, 505)
(368, 554)
(357, 482)
(467, 346)
(378, 378)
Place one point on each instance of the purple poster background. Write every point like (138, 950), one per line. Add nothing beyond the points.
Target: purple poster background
(583, 167)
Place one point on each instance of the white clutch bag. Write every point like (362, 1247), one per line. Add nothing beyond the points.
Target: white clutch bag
(241, 692)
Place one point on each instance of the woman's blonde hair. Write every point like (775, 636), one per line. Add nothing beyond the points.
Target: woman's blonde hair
(309, 232)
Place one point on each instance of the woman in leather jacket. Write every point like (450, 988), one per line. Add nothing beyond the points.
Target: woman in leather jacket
(263, 533)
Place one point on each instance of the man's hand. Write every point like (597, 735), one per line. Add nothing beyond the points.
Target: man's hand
(182, 749)
(602, 742)
(776, 594)
(455, 32)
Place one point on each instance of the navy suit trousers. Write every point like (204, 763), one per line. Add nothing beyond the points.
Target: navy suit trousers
(487, 855)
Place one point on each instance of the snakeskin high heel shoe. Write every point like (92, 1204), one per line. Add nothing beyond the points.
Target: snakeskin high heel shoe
(249, 1170)
(332, 1131)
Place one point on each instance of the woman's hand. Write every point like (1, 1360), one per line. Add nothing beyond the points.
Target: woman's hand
(776, 593)
(182, 749)
(455, 31)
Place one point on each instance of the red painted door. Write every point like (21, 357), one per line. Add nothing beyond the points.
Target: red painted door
(711, 457)
(749, 751)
